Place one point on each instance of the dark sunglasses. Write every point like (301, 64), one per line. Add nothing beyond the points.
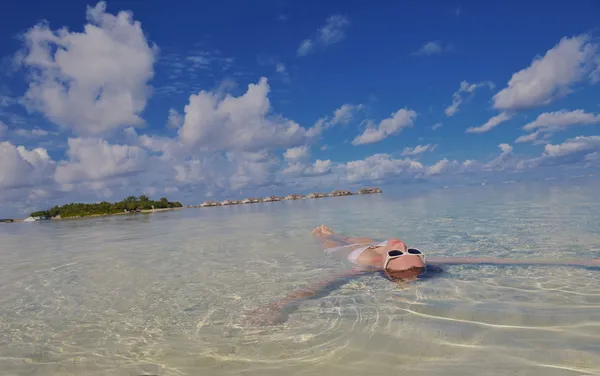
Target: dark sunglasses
(395, 253)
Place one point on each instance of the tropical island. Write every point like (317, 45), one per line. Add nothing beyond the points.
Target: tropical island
(143, 204)
(131, 204)
(253, 200)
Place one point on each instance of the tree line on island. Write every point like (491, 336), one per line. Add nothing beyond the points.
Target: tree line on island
(133, 204)
(129, 204)
(252, 200)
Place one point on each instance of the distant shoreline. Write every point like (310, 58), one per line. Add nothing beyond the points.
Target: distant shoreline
(227, 202)
(145, 211)
(290, 197)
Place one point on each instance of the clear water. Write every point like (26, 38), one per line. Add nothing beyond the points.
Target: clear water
(169, 293)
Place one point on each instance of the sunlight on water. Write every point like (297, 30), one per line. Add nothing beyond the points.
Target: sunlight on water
(169, 293)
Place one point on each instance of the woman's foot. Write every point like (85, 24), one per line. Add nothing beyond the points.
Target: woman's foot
(322, 231)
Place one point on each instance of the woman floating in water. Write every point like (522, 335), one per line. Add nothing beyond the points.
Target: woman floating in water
(392, 258)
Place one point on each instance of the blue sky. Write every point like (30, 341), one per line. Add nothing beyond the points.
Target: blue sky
(135, 97)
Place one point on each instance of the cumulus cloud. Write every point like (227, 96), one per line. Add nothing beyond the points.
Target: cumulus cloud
(244, 123)
(341, 116)
(318, 168)
(401, 119)
(417, 150)
(175, 120)
(345, 113)
(432, 48)
(332, 32)
(506, 160)
(490, 124)
(92, 159)
(379, 166)
(582, 150)
(299, 152)
(552, 122)
(531, 137)
(585, 144)
(91, 81)
(440, 166)
(465, 88)
(227, 172)
(559, 120)
(551, 76)
(297, 164)
(22, 168)
(33, 133)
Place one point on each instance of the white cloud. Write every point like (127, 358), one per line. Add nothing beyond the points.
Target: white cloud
(379, 166)
(552, 122)
(299, 152)
(506, 148)
(417, 150)
(465, 87)
(3, 128)
(432, 48)
(33, 133)
(244, 123)
(20, 167)
(401, 119)
(91, 81)
(345, 113)
(225, 173)
(305, 47)
(528, 137)
(491, 123)
(440, 166)
(436, 126)
(92, 159)
(506, 160)
(280, 68)
(332, 32)
(318, 168)
(551, 76)
(296, 159)
(175, 120)
(580, 144)
(560, 120)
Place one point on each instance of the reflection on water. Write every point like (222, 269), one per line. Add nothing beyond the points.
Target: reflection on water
(167, 293)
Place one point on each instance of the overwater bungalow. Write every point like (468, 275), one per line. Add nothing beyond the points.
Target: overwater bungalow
(271, 199)
(293, 196)
(209, 203)
(36, 219)
(367, 191)
(340, 192)
(250, 200)
(230, 202)
(316, 195)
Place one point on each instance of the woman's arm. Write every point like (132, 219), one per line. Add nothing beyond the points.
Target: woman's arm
(318, 288)
(278, 311)
(499, 261)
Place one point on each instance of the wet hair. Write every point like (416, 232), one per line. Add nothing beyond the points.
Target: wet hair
(402, 276)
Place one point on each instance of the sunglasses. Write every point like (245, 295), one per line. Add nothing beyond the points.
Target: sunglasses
(395, 253)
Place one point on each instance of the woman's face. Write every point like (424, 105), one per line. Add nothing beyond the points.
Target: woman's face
(404, 262)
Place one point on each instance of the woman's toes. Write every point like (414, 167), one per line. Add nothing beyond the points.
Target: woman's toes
(326, 229)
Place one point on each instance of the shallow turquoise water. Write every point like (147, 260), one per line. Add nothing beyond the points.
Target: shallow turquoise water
(169, 293)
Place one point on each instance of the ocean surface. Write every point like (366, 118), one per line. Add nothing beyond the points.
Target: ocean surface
(172, 293)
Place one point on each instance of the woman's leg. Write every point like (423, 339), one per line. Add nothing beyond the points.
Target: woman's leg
(330, 239)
